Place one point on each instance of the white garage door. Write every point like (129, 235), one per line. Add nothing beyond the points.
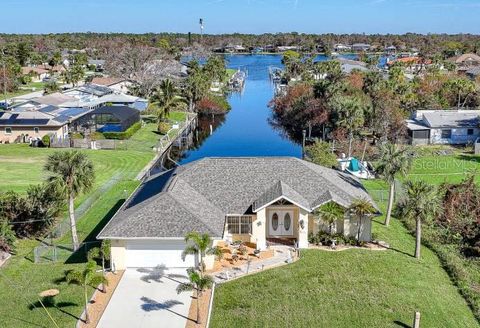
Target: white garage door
(148, 254)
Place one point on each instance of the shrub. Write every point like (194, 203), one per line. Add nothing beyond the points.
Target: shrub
(7, 237)
(33, 213)
(76, 135)
(213, 105)
(127, 134)
(46, 140)
(321, 154)
(163, 127)
(97, 136)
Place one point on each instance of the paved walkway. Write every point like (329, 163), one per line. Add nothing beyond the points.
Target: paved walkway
(282, 255)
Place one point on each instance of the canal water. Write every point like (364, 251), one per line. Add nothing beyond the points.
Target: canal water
(245, 130)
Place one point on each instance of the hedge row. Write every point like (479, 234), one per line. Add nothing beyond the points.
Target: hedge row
(127, 134)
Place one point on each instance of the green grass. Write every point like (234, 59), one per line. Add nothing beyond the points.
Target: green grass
(20, 279)
(355, 288)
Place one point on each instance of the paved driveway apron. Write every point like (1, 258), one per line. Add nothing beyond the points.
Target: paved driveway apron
(147, 298)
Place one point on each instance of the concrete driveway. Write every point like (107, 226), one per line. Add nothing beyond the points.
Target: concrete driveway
(147, 298)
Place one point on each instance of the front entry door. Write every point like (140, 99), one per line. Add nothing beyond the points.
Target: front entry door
(281, 223)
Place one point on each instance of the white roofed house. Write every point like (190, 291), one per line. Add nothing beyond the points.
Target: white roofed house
(456, 127)
(117, 84)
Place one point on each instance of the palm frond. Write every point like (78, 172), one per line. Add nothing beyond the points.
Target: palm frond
(185, 288)
(189, 250)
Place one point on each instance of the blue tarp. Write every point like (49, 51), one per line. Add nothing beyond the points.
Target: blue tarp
(354, 165)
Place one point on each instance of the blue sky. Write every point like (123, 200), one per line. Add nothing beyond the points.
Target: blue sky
(245, 16)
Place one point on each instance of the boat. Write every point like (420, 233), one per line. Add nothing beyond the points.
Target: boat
(355, 167)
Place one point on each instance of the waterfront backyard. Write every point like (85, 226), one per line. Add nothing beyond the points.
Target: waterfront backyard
(353, 288)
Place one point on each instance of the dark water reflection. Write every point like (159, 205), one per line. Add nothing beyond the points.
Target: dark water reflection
(246, 130)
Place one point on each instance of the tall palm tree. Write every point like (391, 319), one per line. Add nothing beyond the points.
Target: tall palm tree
(361, 208)
(167, 98)
(394, 161)
(330, 213)
(86, 277)
(196, 85)
(350, 111)
(71, 173)
(422, 204)
(199, 283)
(200, 244)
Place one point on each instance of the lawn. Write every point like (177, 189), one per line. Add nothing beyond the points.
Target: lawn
(355, 288)
(20, 279)
(21, 165)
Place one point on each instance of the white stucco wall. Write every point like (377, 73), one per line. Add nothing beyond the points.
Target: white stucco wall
(117, 256)
(259, 227)
(459, 136)
(303, 231)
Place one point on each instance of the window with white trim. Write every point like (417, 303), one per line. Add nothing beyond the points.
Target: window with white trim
(36, 130)
(239, 224)
(8, 130)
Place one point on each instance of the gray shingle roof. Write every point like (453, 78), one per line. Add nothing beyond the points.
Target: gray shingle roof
(198, 195)
(452, 118)
(279, 190)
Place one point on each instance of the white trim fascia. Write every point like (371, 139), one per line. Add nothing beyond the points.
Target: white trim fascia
(277, 199)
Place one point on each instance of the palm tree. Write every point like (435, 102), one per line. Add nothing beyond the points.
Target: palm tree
(394, 161)
(422, 204)
(196, 85)
(199, 283)
(199, 245)
(330, 213)
(361, 208)
(350, 112)
(103, 253)
(166, 98)
(86, 277)
(71, 173)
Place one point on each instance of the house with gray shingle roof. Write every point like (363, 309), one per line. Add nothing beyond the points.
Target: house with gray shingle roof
(260, 200)
(458, 127)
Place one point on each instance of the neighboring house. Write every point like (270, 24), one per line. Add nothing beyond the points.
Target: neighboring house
(55, 99)
(360, 47)
(99, 64)
(112, 118)
(21, 126)
(261, 200)
(391, 49)
(466, 61)
(115, 83)
(88, 90)
(473, 73)
(413, 64)
(120, 99)
(36, 73)
(349, 65)
(444, 127)
(286, 48)
(341, 47)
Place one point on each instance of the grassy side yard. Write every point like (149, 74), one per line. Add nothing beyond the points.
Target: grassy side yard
(20, 279)
(355, 288)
